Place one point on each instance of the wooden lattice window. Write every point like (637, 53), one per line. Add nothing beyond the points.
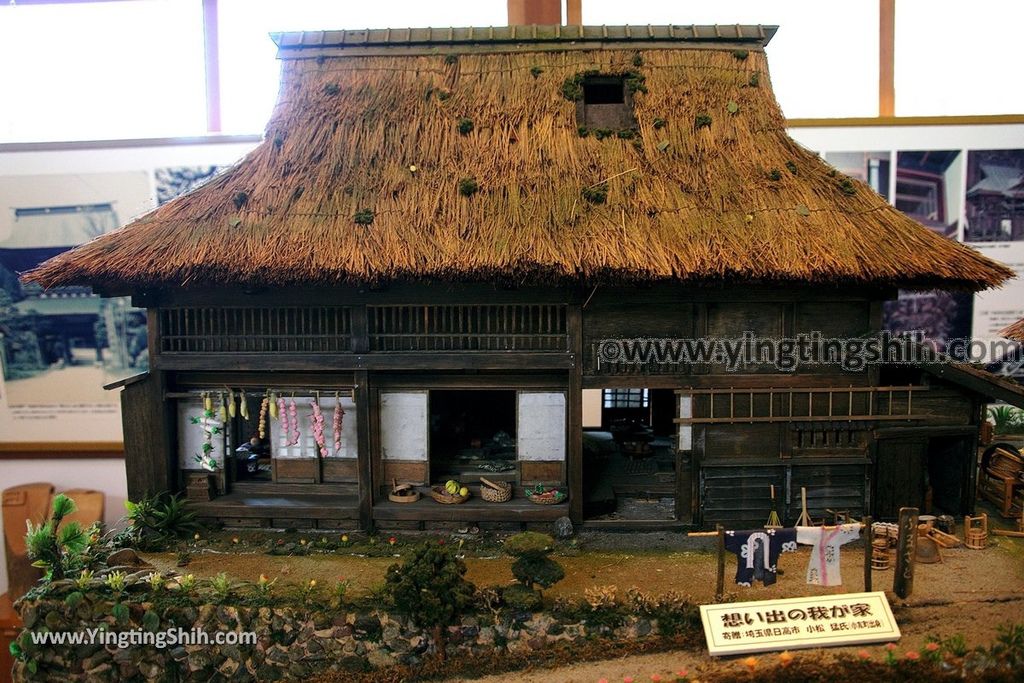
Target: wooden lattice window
(292, 329)
(498, 327)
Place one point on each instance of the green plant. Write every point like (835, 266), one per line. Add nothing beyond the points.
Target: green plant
(157, 520)
(450, 59)
(465, 126)
(116, 582)
(701, 121)
(660, 123)
(596, 194)
(187, 583)
(775, 174)
(638, 59)
(430, 588)
(58, 549)
(602, 133)
(536, 71)
(847, 187)
(221, 587)
(332, 89)
(582, 131)
(468, 186)
(740, 54)
(1004, 417)
(338, 592)
(791, 167)
(533, 566)
(364, 217)
(626, 133)
(182, 558)
(755, 80)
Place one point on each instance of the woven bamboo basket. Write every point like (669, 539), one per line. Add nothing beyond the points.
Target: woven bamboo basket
(545, 497)
(403, 493)
(439, 494)
(495, 491)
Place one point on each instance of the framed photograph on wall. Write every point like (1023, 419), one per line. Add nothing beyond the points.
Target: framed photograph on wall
(59, 347)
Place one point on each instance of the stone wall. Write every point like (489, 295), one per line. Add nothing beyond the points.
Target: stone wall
(292, 643)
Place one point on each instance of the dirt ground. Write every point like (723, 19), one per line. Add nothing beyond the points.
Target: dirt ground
(971, 592)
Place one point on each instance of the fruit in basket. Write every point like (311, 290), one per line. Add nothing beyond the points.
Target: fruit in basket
(451, 486)
(463, 492)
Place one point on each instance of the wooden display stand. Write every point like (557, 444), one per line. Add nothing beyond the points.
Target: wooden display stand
(10, 627)
(999, 481)
(89, 506)
(25, 503)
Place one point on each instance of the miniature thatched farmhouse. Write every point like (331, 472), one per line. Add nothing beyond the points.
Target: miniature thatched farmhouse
(413, 279)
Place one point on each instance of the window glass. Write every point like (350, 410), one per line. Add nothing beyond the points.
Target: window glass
(106, 70)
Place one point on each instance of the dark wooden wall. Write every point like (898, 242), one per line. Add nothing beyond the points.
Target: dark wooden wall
(495, 336)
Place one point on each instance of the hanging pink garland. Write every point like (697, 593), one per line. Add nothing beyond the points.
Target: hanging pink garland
(293, 419)
(316, 419)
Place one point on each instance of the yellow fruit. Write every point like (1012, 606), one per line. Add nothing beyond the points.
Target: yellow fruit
(451, 486)
(463, 492)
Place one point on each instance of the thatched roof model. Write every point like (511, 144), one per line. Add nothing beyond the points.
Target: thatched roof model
(456, 154)
(1014, 331)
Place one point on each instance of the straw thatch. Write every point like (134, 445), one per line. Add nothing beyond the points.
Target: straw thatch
(1014, 331)
(718, 191)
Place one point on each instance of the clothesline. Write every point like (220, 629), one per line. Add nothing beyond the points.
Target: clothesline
(859, 525)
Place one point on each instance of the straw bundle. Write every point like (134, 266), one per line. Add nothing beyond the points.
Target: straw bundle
(1014, 331)
(717, 191)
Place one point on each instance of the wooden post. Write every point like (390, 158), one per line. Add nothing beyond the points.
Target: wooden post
(868, 537)
(886, 57)
(906, 551)
(574, 326)
(365, 416)
(720, 583)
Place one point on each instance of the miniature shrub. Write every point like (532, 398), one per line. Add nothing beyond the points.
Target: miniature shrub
(468, 187)
(740, 54)
(775, 174)
(158, 520)
(465, 126)
(532, 565)
(520, 597)
(430, 589)
(332, 89)
(536, 71)
(701, 121)
(364, 217)
(660, 123)
(847, 187)
(755, 80)
(58, 550)
(791, 167)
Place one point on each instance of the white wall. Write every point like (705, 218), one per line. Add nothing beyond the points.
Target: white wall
(99, 474)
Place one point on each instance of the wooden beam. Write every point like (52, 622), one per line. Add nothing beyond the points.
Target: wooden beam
(886, 57)
(574, 461)
(574, 12)
(427, 360)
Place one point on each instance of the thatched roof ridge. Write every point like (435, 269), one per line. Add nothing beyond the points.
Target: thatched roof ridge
(710, 188)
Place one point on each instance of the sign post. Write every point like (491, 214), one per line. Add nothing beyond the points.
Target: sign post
(906, 552)
(794, 623)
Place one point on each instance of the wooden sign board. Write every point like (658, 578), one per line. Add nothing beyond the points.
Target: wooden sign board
(794, 623)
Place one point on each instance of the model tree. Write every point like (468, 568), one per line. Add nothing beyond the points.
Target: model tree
(533, 567)
(429, 588)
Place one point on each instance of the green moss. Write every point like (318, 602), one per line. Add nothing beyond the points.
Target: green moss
(755, 80)
(626, 134)
(536, 71)
(602, 133)
(240, 198)
(572, 87)
(332, 89)
(468, 186)
(775, 174)
(638, 59)
(598, 194)
(583, 131)
(635, 82)
(740, 54)
(791, 167)
(465, 126)
(364, 217)
(520, 597)
(451, 59)
(443, 95)
(701, 121)
(660, 123)
(847, 187)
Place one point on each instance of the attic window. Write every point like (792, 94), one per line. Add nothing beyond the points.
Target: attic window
(606, 104)
(604, 91)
